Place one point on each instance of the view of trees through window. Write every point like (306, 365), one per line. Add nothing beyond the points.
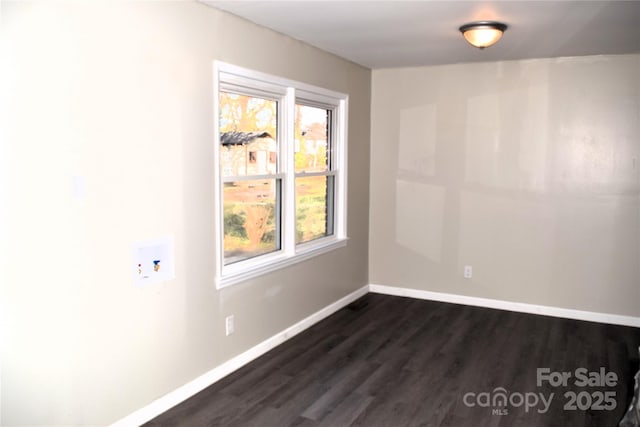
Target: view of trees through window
(252, 179)
(314, 186)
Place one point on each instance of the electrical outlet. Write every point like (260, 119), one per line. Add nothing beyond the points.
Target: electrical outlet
(468, 272)
(229, 325)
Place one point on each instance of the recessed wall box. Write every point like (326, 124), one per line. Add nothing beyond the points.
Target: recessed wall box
(153, 261)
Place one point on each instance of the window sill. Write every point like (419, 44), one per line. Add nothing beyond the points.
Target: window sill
(305, 251)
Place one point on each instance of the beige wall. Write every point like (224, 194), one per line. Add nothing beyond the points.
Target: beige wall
(120, 93)
(526, 170)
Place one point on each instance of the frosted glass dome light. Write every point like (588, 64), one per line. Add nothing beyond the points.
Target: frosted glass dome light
(483, 34)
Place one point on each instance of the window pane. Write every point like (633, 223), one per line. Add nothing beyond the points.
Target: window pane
(248, 135)
(251, 219)
(312, 144)
(314, 207)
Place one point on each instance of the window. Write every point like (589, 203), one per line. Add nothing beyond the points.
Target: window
(281, 172)
(252, 157)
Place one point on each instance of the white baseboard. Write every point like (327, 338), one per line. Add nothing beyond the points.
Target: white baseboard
(566, 313)
(184, 392)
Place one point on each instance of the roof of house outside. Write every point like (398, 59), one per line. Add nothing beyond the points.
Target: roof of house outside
(241, 138)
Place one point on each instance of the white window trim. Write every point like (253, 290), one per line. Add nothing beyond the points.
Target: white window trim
(290, 253)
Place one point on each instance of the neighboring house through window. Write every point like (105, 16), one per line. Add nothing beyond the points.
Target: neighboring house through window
(281, 173)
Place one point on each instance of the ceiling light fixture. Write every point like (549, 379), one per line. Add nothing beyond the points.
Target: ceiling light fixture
(483, 34)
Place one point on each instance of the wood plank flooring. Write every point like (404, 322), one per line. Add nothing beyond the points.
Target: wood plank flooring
(392, 361)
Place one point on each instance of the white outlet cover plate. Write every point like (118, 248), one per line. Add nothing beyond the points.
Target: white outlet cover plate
(229, 326)
(153, 261)
(468, 271)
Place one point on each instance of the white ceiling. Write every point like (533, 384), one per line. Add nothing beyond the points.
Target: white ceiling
(384, 34)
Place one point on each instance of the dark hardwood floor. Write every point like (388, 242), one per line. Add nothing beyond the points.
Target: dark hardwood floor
(392, 361)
